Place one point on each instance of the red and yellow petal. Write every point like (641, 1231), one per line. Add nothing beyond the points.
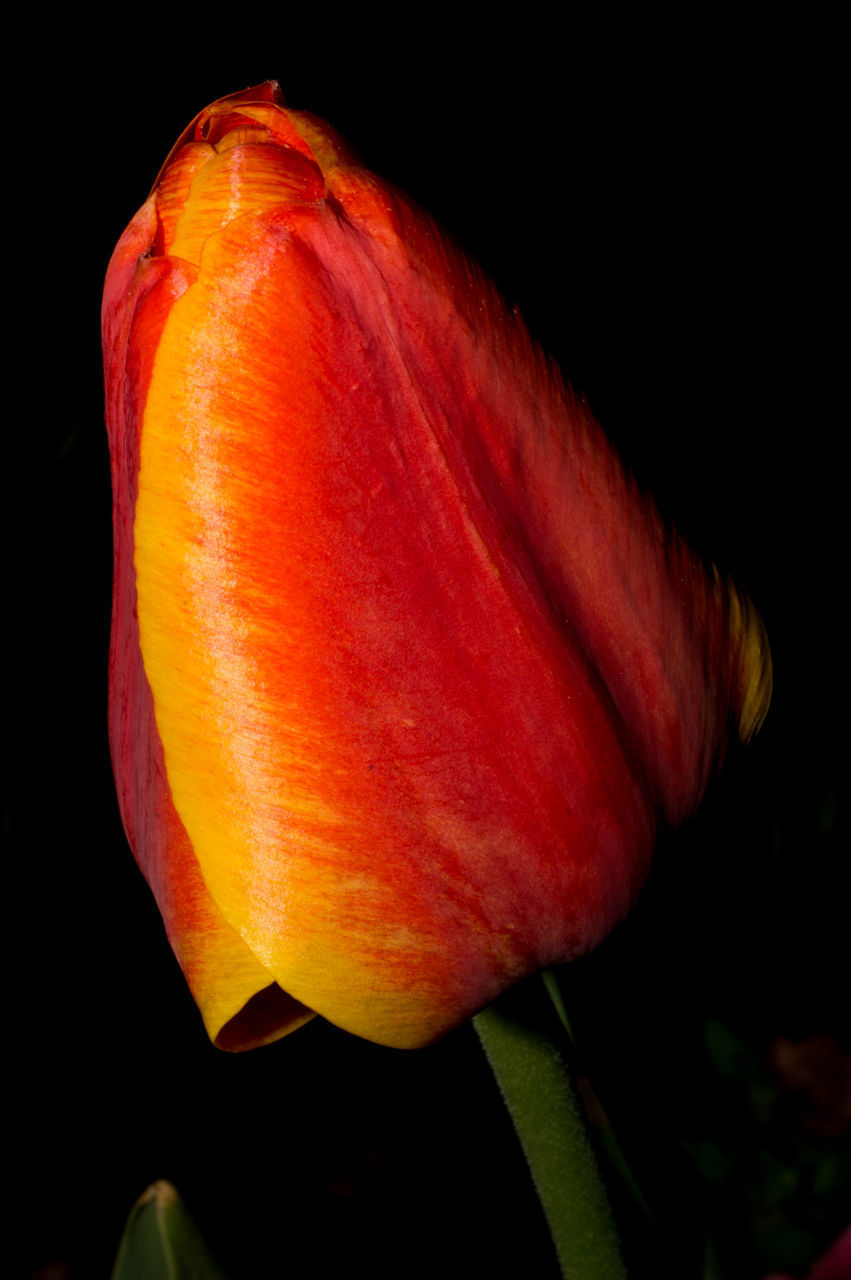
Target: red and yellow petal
(239, 1001)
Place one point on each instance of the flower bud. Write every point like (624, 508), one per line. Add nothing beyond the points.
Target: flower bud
(405, 670)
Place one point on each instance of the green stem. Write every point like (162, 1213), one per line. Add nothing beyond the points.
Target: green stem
(539, 1092)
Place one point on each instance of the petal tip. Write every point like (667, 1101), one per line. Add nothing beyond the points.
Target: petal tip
(755, 665)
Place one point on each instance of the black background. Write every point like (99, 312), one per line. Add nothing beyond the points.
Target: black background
(662, 204)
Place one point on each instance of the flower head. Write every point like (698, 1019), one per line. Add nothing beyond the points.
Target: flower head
(405, 671)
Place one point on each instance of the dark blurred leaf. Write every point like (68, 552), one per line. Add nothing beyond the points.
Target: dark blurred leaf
(161, 1240)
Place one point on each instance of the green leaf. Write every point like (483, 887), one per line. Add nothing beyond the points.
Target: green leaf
(161, 1241)
(730, 1056)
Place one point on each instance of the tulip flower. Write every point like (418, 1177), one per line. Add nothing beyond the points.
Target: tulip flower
(405, 671)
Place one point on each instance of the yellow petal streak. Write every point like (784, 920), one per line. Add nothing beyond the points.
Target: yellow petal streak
(245, 178)
(748, 634)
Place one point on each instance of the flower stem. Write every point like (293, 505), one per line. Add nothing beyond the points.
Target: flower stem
(536, 1084)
